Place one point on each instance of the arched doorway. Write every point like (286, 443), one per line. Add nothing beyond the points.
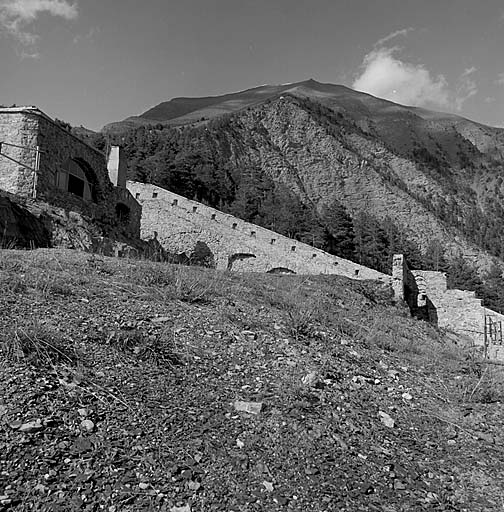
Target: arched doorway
(75, 178)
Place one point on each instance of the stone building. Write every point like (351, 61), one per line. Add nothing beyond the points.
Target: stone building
(39, 159)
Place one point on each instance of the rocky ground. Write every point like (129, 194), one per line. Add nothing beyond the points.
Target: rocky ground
(130, 385)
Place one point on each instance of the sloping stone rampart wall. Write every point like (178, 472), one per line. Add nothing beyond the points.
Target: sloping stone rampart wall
(179, 223)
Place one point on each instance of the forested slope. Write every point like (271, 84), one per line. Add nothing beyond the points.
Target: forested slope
(352, 174)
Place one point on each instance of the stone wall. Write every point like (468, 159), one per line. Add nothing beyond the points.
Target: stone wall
(403, 282)
(458, 310)
(28, 126)
(179, 223)
(20, 128)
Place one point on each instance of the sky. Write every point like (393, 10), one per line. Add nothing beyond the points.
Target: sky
(92, 62)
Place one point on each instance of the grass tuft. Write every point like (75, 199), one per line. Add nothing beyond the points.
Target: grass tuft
(37, 345)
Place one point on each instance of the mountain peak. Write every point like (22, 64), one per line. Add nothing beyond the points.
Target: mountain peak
(189, 110)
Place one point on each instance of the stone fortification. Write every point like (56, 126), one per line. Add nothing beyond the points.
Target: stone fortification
(179, 223)
(68, 172)
(20, 128)
(428, 296)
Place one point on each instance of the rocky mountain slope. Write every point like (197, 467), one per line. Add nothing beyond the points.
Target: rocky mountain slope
(436, 176)
(130, 385)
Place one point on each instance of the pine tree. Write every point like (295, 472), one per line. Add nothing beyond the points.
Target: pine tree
(492, 292)
(434, 257)
(340, 230)
(463, 276)
(371, 247)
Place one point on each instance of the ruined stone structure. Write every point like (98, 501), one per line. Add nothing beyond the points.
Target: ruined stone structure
(179, 223)
(41, 160)
(47, 174)
(428, 297)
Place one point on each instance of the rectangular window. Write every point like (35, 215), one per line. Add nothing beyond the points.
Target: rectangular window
(253, 233)
(175, 202)
(293, 248)
(137, 195)
(75, 185)
(154, 195)
(213, 216)
(61, 180)
(234, 225)
(194, 209)
(273, 240)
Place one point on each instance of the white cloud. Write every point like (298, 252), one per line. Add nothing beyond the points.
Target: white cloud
(469, 71)
(16, 16)
(90, 36)
(386, 76)
(403, 32)
(466, 88)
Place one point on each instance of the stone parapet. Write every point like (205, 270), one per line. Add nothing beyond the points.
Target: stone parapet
(179, 223)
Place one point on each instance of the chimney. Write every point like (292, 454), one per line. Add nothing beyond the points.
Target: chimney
(116, 166)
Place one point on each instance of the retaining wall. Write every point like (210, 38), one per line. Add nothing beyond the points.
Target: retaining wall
(179, 223)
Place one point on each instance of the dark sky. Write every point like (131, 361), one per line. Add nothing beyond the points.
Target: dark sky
(91, 62)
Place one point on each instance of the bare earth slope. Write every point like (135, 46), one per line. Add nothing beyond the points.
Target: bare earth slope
(121, 386)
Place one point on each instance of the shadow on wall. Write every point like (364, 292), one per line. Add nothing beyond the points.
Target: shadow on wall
(238, 257)
(415, 295)
(200, 256)
(280, 270)
(424, 309)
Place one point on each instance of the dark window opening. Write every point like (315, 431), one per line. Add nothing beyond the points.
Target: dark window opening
(175, 202)
(252, 233)
(293, 248)
(194, 209)
(234, 225)
(75, 185)
(137, 195)
(273, 240)
(213, 216)
(356, 271)
(122, 212)
(77, 177)
(313, 255)
(154, 195)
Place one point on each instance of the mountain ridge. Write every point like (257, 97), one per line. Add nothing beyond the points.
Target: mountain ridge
(435, 176)
(176, 109)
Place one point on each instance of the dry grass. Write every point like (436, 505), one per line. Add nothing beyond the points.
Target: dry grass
(36, 344)
(357, 311)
